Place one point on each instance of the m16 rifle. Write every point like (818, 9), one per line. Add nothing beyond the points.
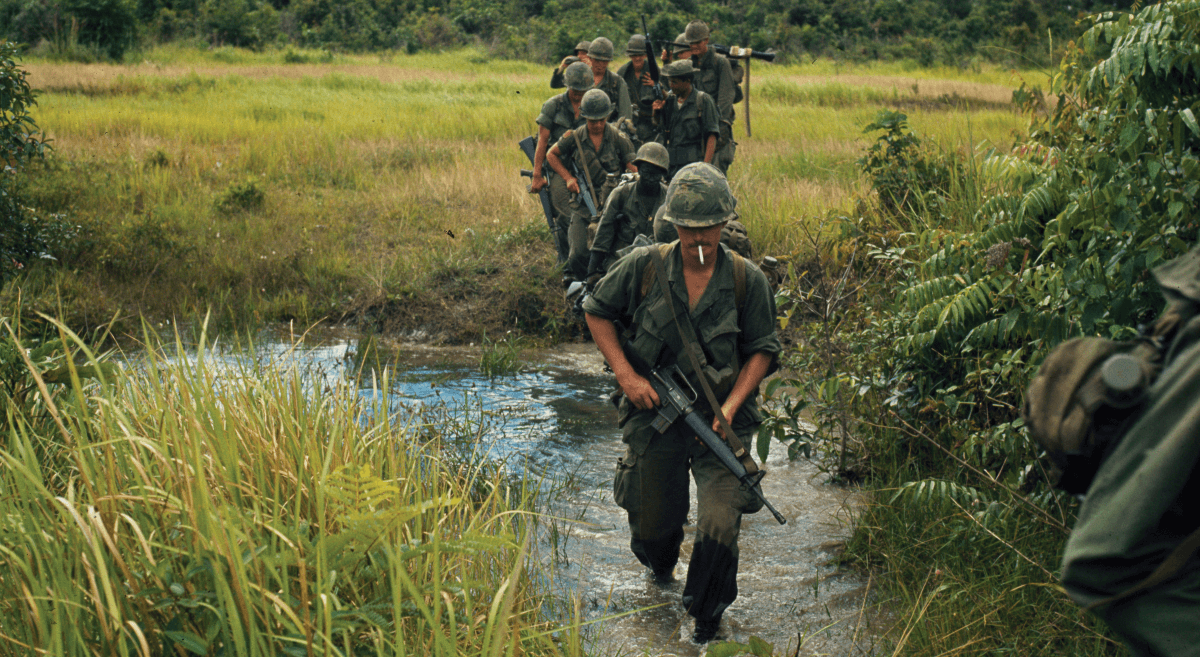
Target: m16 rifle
(668, 384)
(743, 53)
(652, 62)
(528, 146)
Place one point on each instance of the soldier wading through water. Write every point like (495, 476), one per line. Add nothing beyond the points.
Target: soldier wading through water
(704, 290)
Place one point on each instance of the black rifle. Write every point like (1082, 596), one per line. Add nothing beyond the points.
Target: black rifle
(674, 404)
(652, 62)
(768, 56)
(528, 146)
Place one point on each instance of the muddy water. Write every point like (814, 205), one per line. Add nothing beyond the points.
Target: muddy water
(555, 419)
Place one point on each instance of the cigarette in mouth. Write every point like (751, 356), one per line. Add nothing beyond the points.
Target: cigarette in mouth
(700, 250)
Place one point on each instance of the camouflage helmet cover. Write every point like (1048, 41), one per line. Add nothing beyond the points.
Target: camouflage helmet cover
(595, 105)
(578, 77)
(680, 68)
(582, 47)
(601, 49)
(681, 45)
(654, 153)
(699, 197)
(637, 45)
(695, 32)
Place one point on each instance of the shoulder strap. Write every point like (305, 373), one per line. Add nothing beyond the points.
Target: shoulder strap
(687, 336)
(739, 277)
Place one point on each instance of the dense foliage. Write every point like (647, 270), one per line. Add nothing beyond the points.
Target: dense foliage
(944, 308)
(21, 237)
(923, 30)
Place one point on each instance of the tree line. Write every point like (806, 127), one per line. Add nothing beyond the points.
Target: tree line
(931, 32)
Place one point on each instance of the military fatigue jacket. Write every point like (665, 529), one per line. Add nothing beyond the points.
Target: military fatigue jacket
(615, 152)
(727, 337)
(558, 116)
(627, 214)
(618, 93)
(686, 128)
(715, 77)
(641, 96)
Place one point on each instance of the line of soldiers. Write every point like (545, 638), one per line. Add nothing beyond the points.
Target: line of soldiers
(603, 192)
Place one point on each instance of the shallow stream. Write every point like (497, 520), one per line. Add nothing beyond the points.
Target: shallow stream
(556, 420)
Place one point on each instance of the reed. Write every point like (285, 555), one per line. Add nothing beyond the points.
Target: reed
(190, 505)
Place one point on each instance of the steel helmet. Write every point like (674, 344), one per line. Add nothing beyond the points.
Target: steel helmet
(680, 68)
(601, 49)
(654, 153)
(637, 45)
(595, 105)
(681, 45)
(699, 197)
(695, 32)
(578, 77)
(582, 47)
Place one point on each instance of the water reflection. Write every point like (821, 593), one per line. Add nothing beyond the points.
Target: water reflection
(557, 420)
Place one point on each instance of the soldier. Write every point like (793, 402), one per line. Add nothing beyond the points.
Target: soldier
(672, 51)
(580, 55)
(629, 210)
(714, 76)
(740, 347)
(601, 53)
(643, 90)
(601, 153)
(559, 115)
(688, 120)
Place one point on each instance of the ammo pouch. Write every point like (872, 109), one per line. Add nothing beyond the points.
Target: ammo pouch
(1089, 391)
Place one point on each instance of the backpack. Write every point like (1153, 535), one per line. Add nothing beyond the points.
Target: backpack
(1089, 391)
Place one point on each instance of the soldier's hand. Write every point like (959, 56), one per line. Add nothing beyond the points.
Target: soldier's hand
(639, 391)
(647, 80)
(573, 185)
(658, 104)
(563, 65)
(539, 181)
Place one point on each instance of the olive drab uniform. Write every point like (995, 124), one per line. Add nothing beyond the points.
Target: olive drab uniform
(615, 152)
(626, 215)
(714, 76)
(1142, 502)
(686, 128)
(651, 482)
(642, 100)
(558, 116)
(618, 93)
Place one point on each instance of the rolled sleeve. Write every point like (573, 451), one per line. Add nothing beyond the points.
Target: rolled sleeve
(757, 321)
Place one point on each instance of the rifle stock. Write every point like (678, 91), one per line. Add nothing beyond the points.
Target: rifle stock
(528, 146)
(675, 404)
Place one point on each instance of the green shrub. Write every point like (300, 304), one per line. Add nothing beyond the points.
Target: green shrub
(245, 196)
(21, 236)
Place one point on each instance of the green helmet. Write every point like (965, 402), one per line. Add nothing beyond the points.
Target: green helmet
(654, 153)
(582, 47)
(637, 45)
(699, 197)
(680, 68)
(681, 45)
(578, 77)
(695, 32)
(601, 50)
(595, 105)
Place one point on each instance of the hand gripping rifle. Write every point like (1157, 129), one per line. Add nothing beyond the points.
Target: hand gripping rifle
(668, 383)
(652, 62)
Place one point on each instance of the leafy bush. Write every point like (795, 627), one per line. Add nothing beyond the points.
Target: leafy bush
(242, 196)
(20, 141)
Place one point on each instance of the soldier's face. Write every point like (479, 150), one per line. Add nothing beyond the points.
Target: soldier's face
(575, 96)
(599, 66)
(638, 61)
(699, 48)
(596, 126)
(693, 240)
(681, 86)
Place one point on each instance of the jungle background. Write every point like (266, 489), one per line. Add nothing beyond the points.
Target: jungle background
(943, 226)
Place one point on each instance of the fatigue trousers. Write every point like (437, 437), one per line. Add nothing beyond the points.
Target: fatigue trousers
(560, 198)
(652, 487)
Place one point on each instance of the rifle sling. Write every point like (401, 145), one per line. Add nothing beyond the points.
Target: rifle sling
(688, 336)
(587, 173)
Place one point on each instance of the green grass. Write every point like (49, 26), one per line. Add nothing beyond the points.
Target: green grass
(185, 505)
(362, 168)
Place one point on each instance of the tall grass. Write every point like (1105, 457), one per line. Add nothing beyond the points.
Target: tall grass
(385, 183)
(182, 506)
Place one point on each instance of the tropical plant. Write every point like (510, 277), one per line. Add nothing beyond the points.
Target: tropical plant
(20, 142)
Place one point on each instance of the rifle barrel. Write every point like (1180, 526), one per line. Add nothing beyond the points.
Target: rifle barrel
(743, 53)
